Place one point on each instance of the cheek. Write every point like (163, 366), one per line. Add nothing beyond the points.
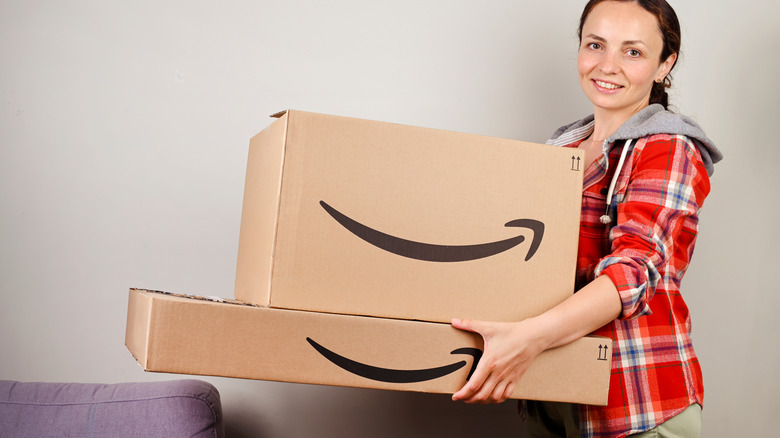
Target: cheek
(643, 76)
(585, 63)
(582, 65)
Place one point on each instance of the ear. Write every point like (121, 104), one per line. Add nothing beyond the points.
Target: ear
(666, 67)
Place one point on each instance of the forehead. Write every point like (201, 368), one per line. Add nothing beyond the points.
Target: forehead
(622, 21)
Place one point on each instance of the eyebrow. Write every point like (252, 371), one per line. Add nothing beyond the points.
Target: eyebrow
(625, 43)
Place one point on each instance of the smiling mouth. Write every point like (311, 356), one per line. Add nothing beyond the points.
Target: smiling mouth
(439, 253)
(607, 85)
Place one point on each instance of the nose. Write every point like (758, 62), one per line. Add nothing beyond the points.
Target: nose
(610, 63)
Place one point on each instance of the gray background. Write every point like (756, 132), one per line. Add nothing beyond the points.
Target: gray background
(124, 129)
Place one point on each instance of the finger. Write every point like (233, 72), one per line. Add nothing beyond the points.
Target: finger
(468, 391)
(509, 391)
(480, 386)
(470, 325)
(498, 394)
(465, 393)
(485, 395)
(463, 324)
(496, 387)
(474, 384)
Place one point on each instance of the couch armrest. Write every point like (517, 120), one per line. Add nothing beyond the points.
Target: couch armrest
(188, 407)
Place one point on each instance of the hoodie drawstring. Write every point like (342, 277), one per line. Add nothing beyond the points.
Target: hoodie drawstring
(606, 219)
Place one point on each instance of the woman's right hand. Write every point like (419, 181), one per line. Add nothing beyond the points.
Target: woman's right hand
(509, 349)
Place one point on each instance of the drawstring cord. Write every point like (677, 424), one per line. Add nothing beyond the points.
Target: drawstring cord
(606, 219)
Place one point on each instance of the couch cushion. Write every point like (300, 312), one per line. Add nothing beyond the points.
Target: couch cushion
(177, 408)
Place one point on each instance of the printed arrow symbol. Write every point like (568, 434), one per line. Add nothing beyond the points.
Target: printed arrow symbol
(395, 375)
(439, 253)
(603, 349)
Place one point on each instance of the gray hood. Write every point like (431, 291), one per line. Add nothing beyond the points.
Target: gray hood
(651, 120)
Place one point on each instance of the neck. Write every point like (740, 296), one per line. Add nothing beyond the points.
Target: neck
(608, 121)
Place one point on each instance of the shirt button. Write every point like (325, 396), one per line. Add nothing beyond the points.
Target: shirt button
(604, 191)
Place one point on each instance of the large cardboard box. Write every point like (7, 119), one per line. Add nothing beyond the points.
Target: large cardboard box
(181, 334)
(361, 217)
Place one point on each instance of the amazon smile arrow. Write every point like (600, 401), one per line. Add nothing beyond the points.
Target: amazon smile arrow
(395, 375)
(439, 253)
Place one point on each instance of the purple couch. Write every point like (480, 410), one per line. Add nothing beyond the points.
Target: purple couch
(177, 408)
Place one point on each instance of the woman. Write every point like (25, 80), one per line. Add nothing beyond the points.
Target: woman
(647, 178)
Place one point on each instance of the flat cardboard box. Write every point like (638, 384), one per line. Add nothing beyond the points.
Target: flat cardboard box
(360, 217)
(186, 335)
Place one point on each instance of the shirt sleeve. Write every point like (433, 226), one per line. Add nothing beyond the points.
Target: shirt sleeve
(657, 222)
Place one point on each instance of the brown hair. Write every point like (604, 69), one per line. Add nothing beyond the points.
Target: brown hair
(668, 25)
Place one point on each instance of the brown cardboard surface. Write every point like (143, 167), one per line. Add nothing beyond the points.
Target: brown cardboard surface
(435, 196)
(178, 334)
(259, 217)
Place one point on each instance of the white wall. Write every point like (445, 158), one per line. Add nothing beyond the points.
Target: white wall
(124, 129)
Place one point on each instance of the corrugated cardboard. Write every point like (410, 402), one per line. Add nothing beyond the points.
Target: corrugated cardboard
(360, 217)
(179, 334)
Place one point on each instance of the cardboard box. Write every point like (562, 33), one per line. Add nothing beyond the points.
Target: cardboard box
(360, 217)
(187, 335)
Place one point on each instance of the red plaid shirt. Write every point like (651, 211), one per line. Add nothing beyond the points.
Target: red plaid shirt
(660, 189)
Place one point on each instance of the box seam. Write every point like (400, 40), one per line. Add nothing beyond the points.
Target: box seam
(279, 188)
(149, 330)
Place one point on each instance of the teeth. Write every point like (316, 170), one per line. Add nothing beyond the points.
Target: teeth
(607, 85)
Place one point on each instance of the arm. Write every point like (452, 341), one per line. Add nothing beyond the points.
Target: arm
(657, 222)
(656, 228)
(511, 347)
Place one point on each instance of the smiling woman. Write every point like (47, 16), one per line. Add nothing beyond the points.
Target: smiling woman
(618, 61)
(627, 52)
(646, 179)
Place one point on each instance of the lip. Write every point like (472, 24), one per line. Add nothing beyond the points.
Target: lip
(604, 89)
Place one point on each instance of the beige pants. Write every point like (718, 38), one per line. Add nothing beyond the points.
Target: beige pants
(547, 419)
(686, 424)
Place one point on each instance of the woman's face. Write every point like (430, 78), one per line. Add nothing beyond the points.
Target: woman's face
(618, 60)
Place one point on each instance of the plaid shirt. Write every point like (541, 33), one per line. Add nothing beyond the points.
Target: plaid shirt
(655, 372)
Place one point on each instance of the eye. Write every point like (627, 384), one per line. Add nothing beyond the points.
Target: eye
(634, 53)
(594, 46)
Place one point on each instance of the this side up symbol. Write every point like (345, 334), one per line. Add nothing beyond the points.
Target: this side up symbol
(603, 352)
(575, 163)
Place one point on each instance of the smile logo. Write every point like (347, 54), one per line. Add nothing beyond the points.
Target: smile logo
(394, 375)
(439, 253)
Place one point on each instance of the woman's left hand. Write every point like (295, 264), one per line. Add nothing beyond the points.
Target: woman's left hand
(510, 347)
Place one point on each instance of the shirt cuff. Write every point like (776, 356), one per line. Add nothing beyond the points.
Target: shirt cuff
(631, 285)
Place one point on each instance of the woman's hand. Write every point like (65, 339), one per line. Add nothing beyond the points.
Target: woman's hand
(510, 347)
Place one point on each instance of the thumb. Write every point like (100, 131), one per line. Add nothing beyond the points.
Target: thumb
(470, 325)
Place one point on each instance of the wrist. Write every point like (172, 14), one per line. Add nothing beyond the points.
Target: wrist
(538, 333)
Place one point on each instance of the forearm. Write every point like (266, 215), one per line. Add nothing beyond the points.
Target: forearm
(590, 308)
